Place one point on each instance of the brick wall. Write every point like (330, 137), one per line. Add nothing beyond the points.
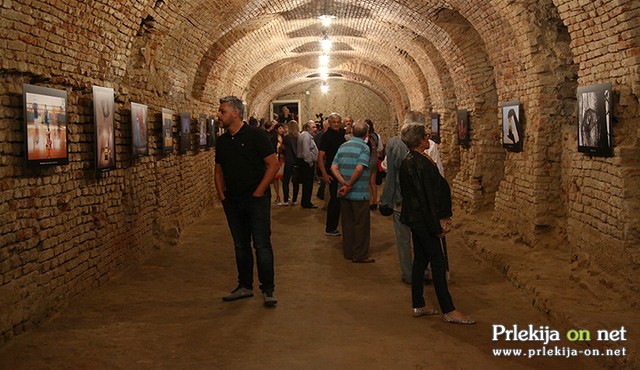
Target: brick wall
(63, 231)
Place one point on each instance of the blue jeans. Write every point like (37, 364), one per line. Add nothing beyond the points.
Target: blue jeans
(250, 218)
(403, 239)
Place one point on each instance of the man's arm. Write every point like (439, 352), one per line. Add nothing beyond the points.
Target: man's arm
(325, 175)
(272, 168)
(219, 181)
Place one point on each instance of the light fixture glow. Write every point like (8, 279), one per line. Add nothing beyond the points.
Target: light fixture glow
(323, 69)
(324, 59)
(324, 75)
(326, 20)
(325, 43)
(324, 88)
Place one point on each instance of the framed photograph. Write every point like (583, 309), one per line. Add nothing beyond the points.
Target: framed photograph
(512, 131)
(45, 126)
(139, 124)
(212, 132)
(435, 128)
(594, 119)
(185, 132)
(285, 110)
(202, 129)
(103, 112)
(462, 127)
(167, 131)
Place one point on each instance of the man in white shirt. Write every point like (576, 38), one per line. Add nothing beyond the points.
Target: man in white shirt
(307, 154)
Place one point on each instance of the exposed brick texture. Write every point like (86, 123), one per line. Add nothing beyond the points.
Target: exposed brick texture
(62, 231)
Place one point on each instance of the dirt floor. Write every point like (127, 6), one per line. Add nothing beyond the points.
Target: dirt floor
(167, 312)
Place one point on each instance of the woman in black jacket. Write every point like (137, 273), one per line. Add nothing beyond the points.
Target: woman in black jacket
(426, 209)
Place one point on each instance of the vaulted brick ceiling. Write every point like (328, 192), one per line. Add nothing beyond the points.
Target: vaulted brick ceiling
(408, 51)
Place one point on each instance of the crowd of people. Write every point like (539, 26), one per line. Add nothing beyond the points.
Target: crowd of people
(348, 158)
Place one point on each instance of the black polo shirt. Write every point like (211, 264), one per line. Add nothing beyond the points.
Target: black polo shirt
(330, 143)
(242, 159)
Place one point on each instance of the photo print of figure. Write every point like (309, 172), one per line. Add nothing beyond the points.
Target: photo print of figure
(594, 119)
(167, 130)
(45, 113)
(512, 130)
(139, 121)
(103, 110)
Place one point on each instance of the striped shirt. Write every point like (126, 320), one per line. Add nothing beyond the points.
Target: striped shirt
(350, 154)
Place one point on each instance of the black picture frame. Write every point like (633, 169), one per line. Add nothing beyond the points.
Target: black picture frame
(185, 132)
(46, 138)
(139, 124)
(105, 135)
(512, 126)
(212, 132)
(202, 130)
(167, 131)
(595, 110)
(435, 128)
(462, 127)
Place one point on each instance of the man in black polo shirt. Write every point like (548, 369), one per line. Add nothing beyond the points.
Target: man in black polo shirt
(245, 166)
(331, 141)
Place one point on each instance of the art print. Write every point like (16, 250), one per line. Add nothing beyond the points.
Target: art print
(139, 124)
(45, 126)
(103, 111)
(594, 119)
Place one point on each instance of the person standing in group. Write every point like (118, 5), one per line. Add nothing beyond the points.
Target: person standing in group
(290, 142)
(245, 166)
(392, 198)
(307, 155)
(318, 140)
(374, 142)
(331, 141)
(350, 169)
(426, 209)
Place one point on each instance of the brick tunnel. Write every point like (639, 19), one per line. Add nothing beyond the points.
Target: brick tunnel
(81, 203)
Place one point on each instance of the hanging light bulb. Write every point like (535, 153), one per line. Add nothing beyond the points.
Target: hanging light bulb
(324, 88)
(326, 44)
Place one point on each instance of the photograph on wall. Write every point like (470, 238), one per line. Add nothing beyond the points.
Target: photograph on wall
(45, 125)
(512, 132)
(139, 124)
(167, 131)
(212, 132)
(594, 119)
(462, 127)
(435, 128)
(103, 112)
(202, 129)
(286, 110)
(185, 132)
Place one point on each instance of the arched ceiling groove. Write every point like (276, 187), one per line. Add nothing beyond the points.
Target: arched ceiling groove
(437, 35)
(360, 73)
(283, 48)
(288, 69)
(262, 102)
(398, 60)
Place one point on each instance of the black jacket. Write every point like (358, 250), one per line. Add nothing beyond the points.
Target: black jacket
(426, 195)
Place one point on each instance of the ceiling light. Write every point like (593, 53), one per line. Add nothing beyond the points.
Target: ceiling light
(324, 59)
(326, 20)
(325, 43)
(324, 75)
(324, 88)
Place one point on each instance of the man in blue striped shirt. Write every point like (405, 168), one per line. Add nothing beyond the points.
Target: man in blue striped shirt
(351, 168)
